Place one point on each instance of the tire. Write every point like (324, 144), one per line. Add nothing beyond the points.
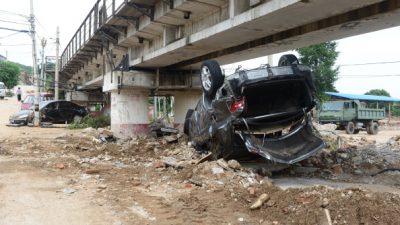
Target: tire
(287, 60)
(211, 77)
(373, 128)
(356, 131)
(186, 125)
(350, 128)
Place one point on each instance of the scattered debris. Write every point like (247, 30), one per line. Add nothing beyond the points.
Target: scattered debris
(260, 201)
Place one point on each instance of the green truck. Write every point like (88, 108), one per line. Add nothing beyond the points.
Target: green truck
(351, 115)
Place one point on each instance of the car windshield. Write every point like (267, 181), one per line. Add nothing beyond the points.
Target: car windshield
(2, 86)
(332, 106)
(28, 99)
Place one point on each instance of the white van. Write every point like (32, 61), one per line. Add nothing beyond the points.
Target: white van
(2, 90)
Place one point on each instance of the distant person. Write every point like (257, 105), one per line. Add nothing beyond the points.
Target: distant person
(19, 92)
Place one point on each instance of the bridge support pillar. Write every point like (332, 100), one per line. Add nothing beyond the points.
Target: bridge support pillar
(129, 113)
(183, 102)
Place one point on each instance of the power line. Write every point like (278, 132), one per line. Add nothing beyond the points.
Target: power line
(369, 76)
(14, 22)
(12, 13)
(369, 63)
(8, 45)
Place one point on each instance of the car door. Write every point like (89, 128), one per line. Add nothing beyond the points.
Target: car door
(50, 112)
(67, 111)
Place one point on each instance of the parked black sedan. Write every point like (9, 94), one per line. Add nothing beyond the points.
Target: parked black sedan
(51, 111)
(263, 111)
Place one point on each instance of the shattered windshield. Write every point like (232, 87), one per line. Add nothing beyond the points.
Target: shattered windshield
(332, 106)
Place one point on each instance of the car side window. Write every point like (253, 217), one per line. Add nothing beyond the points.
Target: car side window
(65, 105)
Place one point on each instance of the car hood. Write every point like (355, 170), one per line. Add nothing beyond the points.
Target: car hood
(21, 113)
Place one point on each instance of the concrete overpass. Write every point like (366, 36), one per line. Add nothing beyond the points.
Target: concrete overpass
(133, 48)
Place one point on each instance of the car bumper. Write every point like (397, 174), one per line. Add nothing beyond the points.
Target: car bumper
(298, 144)
(18, 121)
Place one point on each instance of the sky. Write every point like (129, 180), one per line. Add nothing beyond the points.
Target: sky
(376, 47)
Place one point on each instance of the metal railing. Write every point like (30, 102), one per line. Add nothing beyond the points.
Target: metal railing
(97, 17)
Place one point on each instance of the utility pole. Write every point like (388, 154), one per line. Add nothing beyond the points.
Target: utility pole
(36, 120)
(43, 71)
(56, 76)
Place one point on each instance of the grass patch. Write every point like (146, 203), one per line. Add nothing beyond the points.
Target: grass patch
(90, 121)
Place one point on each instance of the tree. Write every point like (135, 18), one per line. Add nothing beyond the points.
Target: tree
(9, 73)
(379, 92)
(321, 58)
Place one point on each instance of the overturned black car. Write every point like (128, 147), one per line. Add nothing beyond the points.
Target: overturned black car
(263, 112)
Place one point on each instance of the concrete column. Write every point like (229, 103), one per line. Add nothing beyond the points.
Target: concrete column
(236, 7)
(184, 101)
(129, 113)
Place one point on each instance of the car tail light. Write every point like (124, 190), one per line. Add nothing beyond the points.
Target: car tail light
(238, 104)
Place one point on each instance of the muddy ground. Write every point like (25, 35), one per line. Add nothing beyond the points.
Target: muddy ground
(60, 176)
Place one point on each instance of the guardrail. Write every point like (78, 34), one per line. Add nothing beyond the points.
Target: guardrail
(97, 17)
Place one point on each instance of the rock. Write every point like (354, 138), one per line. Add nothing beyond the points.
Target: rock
(260, 201)
(170, 161)
(159, 164)
(234, 164)
(171, 139)
(337, 169)
(222, 163)
(270, 203)
(105, 132)
(68, 191)
(325, 203)
(217, 170)
(59, 166)
(344, 155)
(252, 190)
(136, 183)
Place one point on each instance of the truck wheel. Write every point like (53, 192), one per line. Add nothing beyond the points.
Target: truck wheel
(356, 131)
(287, 60)
(373, 128)
(211, 77)
(350, 128)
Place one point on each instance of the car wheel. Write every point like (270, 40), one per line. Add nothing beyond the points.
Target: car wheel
(211, 77)
(287, 60)
(350, 128)
(373, 128)
(187, 121)
(77, 119)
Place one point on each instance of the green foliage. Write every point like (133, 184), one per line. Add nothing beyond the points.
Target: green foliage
(90, 121)
(22, 67)
(379, 92)
(9, 73)
(396, 109)
(9, 94)
(321, 58)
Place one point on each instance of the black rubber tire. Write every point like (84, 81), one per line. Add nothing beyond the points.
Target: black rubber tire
(287, 60)
(373, 128)
(216, 77)
(350, 128)
(186, 125)
(356, 131)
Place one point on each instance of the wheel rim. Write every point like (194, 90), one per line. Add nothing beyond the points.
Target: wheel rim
(206, 78)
